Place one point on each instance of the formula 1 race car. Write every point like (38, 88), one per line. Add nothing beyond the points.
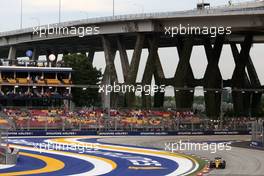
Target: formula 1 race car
(217, 163)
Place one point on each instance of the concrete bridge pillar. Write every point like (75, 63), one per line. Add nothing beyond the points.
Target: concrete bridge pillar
(159, 77)
(159, 95)
(256, 104)
(123, 57)
(12, 55)
(240, 80)
(213, 78)
(153, 68)
(90, 56)
(184, 77)
(255, 83)
(124, 62)
(148, 73)
(133, 69)
(110, 75)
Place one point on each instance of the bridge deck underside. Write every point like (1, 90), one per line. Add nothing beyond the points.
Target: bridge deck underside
(84, 44)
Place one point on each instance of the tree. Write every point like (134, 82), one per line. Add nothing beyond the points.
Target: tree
(83, 74)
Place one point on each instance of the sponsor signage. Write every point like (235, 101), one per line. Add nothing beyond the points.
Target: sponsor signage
(124, 133)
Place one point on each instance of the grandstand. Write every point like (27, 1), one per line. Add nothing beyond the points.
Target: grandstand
(33, 86)
(30, 84)
(96, 119)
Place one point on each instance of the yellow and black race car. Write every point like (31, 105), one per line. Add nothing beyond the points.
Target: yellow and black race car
(218, 163)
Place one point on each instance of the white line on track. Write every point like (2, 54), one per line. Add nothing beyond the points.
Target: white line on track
(100, 167)
(3, 166)
(186, 165)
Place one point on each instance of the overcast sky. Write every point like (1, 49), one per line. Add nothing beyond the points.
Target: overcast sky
(46, 12)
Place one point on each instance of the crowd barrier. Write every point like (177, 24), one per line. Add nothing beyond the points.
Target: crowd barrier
(123, 133)
(257, 134)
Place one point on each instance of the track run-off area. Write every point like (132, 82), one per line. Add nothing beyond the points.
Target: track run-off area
(87, 156)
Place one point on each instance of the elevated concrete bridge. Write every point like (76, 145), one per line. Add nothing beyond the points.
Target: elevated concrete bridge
(121, 33)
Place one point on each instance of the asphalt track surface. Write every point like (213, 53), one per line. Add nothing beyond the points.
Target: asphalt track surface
(240, 161)
(129, 156)
(85, 156)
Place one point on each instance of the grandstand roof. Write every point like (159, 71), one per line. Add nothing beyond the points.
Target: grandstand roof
(34, 69)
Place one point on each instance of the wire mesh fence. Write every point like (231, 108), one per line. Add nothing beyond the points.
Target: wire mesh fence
(257, 131)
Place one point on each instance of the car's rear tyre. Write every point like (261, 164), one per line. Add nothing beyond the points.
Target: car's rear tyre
(223, 165)
(211, 165)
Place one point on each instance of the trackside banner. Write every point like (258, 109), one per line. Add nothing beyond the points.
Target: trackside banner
(122, 133)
